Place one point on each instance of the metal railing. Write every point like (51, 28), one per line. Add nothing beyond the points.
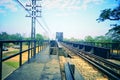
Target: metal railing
(32, 45)
(114, 46)
(110, 69)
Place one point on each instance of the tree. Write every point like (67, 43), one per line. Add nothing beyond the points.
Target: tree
(102, 39)
(114, 33)
(112, 15)
(4, 36)
(16, 36)
(89, 39)
(39, 37)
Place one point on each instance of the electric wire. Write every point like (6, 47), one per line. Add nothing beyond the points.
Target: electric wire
(43, 22)
(43, 19)
(39, 22)
(30, 15)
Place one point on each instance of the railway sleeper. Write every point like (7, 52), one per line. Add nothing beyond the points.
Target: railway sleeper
(111, 65)
(110, 73)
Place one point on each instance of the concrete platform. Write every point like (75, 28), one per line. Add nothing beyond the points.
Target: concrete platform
(42, 67)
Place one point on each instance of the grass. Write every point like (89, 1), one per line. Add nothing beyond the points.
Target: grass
(12, 64)
(14, 51)
(16, 58)
(10, 53)
(8, 68)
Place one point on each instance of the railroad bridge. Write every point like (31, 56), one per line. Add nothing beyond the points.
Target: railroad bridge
(52, 60)
(57, 60)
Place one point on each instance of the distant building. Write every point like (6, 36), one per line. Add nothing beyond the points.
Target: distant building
(59, 36)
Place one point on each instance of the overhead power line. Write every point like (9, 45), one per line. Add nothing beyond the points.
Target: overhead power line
(39, 22)
(43, 22)
(43, 19)
(41, 26)
(33, 15)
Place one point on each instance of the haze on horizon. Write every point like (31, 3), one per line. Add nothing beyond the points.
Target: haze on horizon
(75, 18)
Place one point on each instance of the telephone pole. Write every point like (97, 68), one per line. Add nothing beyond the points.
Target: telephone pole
(35, 11)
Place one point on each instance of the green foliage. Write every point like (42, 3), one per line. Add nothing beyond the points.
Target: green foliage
(104, 15)
(113, 15)
(39, 37)
(102, 39)
(92, 39)
(6, 36)
(89, 39)
(16, 36)
(98, 39)
(110, 14)
(12, 63)
(114, 33)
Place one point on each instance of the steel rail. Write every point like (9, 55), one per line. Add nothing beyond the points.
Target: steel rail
(109, 72)
(106, 62)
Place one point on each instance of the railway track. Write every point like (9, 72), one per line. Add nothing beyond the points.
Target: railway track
(111, 70)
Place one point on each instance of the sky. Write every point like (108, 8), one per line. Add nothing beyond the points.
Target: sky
(75, 18)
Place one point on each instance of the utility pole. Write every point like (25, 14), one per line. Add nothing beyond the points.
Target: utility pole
(35, 11)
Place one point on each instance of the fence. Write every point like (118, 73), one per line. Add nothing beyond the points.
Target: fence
(99, 51)
(114, 47)
(32, 45)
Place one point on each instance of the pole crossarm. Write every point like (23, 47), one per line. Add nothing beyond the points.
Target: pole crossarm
(29, 11)
(34, 12)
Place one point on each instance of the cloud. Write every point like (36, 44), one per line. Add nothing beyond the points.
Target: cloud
(11, 7)
(60, 4)
(86, 3)
(8, 5)
(51, 4)
(69, 4)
